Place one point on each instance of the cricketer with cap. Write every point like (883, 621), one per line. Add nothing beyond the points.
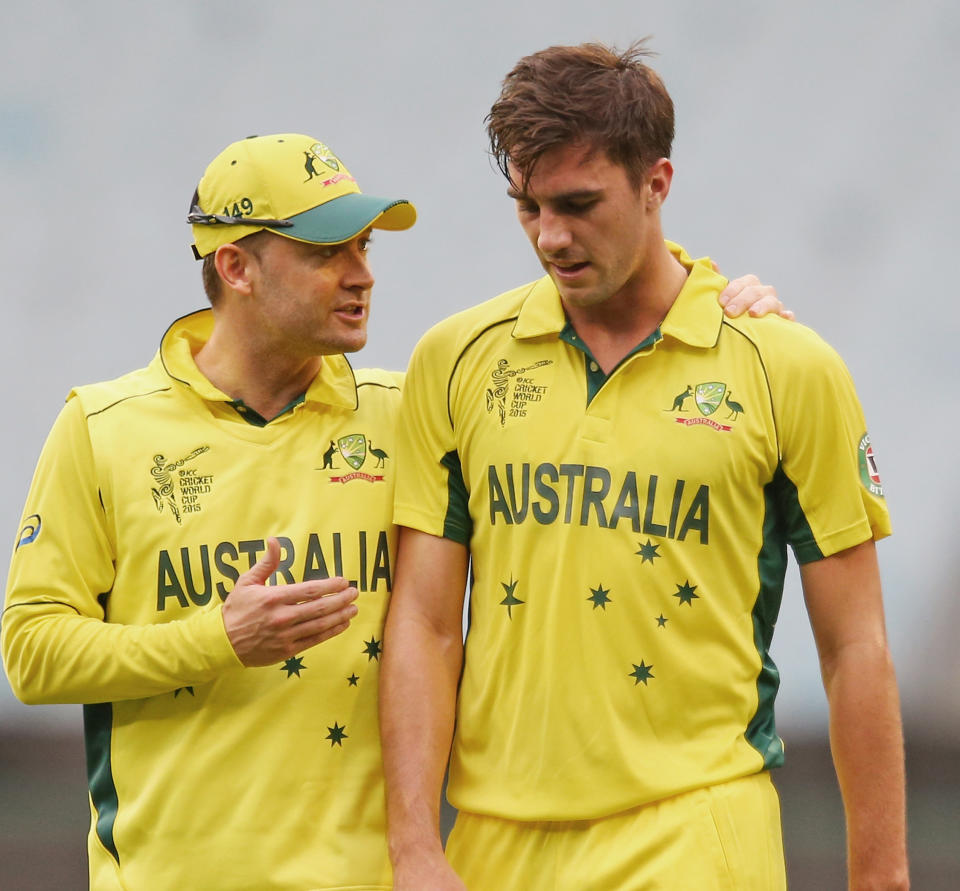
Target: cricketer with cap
(621, 469)
(206, 552)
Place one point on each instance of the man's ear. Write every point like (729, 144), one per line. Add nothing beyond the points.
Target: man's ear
(234, 266)
(658, 180)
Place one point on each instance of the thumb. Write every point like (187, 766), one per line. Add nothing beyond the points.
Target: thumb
(266, 565)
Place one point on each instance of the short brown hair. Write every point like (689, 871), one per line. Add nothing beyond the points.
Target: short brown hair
(212, 284)
(587, 93)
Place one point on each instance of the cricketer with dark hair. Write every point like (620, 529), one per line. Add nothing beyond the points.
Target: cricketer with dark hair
(623, 469)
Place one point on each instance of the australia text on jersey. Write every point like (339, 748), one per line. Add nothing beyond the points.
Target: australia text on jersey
(575, 493)
(191, 575)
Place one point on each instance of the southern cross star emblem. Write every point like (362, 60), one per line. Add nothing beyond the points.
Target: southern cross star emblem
(372, 648)
(293, 666)
(641, 672)
(599, 597)
(648, 552)
(336, 735)
(510, 601)
(686, 593)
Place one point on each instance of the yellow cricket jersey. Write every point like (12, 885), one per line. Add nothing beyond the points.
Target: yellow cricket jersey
(152, 495)
(628, 537)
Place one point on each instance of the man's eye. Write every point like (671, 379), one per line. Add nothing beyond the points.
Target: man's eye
(365, 243)
(527, 207)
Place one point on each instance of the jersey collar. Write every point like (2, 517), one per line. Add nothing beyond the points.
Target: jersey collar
(335, 384)
(694, 318)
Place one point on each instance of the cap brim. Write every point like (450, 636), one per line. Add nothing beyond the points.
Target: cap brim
(347, 216)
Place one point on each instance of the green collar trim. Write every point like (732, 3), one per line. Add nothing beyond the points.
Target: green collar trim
(253, 417)
(595, 375)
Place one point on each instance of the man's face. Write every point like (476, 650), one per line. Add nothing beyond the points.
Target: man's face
(312, 299)
(587, 222)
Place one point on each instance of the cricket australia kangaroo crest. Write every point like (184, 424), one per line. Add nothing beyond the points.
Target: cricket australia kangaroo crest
(353, 450)
(709, 398)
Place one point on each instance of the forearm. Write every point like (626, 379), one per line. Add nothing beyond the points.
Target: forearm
(54, 655)
(417, 707)
(867, 742)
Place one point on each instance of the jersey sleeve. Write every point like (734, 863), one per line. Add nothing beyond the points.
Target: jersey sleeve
(430, 494)
(57, 646)
(831, 495)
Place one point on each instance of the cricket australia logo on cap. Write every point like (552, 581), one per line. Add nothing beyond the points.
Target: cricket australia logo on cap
(869, 475)
(709, 398)
(354, 450)
(179, 485)
(513, 391)
(325, 154)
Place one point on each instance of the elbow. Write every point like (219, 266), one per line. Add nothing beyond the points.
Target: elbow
(23, 676)
(23, 661)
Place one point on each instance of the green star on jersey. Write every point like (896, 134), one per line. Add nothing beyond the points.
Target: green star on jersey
(662, 621)
(685, 593)
(510, 601)
(372, 648)
(336, 735)
(648, 552)
(352, 679)
(599, 597)
(293, 666)
(641, 672)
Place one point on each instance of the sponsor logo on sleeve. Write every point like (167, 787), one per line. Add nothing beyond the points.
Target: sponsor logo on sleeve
(30, 531)
(869, 475)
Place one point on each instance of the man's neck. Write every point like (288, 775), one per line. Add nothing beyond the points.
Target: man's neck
(267, 383)
(612, 329)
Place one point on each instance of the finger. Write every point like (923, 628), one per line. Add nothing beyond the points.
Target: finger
(264, 567)
(320, 608)
(766, 305)
(300, 592)
(762, 296)
(736, 286)
(788, 314)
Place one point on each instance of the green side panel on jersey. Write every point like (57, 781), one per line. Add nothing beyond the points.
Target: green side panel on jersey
(457, 525)
(97, 731)
(783, 522)
(771, 564)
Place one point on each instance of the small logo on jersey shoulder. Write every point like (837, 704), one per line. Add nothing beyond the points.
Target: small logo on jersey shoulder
(30, 531)
(178, 485)
(709, 398)
(354, 450)
(513, 390)
(869, 475)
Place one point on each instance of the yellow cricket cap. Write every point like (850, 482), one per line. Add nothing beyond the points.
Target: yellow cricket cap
(291, 184)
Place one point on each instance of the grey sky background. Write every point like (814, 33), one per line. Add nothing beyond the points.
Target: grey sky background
(816, 146)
